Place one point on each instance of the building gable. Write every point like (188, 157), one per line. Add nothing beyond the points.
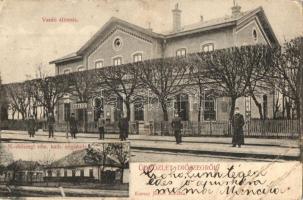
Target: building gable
(251, 33)
(130, 42)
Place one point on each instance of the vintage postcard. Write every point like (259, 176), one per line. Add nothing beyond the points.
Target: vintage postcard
(151, 99)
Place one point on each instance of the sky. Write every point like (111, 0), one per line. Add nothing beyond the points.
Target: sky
(27, 41)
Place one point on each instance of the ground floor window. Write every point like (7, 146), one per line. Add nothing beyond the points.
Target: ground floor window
(66, 111)
(65, 173)
(91, 173)
(181, 106)
(209, 108)
(139, 111)
(82, 172)
(73, 173)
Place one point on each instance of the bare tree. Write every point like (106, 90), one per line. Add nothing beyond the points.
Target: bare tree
(18, 97)
(84, 86)
(165, 78)
(236, 71)
(99, 153)
(123, 81)
(47, 91)
(288, 61)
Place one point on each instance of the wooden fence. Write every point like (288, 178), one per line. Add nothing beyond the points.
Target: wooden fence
(252, 128)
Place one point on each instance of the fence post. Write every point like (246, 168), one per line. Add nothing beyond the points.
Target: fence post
(210, 128)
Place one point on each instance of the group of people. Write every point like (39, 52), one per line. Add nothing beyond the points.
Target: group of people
(32, 125)
(237, 123)
(71, 126)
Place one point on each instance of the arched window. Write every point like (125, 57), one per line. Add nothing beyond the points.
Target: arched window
(99, 64)
(208, 47)
(117, 61)
(137, 57)
(80, 69)
(66, 71)
(181, 52)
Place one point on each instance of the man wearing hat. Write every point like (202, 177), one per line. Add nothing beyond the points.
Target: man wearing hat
(177, 126)
(237, 124)
(73, 125)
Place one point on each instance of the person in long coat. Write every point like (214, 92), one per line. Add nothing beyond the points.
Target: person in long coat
(123, 127)
(237, 124)
(73, 125)
(31, 126)
(51, 123)
(176, 127)
(101, 124)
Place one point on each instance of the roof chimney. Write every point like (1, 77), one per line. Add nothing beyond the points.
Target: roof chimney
(235, 10)
(201, 18)
(176, 18)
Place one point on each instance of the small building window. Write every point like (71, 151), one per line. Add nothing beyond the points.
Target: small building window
(254, 34)
(208, 47)
(137, 57)
(139, 111)
(66, 71)
(49, 173)
(181, 52)
(65, 173)
(117, 61)
(58, 174)
(99, 64)
(82, 172)
(80, 69)
(209, 108)
(91, 172)
(73, 173)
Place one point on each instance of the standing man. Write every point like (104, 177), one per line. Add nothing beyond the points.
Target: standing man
(73, 126)
(123, 127)
(50, 122)
(31, 126)
(237, 124)
(177, 126)
(101, 124)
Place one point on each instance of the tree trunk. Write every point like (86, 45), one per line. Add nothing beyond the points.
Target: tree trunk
(259, 106)
(298, 110)
(164, 109)
(127, 105)
(199, 110)
(232, 107)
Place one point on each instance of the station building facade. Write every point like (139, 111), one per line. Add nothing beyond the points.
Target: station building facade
(120, 42)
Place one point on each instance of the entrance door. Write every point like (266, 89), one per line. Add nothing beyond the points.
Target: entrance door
(181, 106)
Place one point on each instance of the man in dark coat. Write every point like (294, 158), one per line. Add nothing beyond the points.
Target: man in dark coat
(73, 125)
(51, 123)
(237, 124)
(123, 127)
(101, 124)
(177, 126)
(31, 126)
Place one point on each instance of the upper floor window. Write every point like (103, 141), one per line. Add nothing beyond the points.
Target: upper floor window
(66, 71)
(181, 52)
(208, 47)
(80, 69)
(117, 43)
(254, 34)
(137, 57)
(99, 64)
(117, 61)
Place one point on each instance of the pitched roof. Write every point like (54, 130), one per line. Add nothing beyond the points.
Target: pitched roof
(80, 158)
(185, 30)
(22, 165)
